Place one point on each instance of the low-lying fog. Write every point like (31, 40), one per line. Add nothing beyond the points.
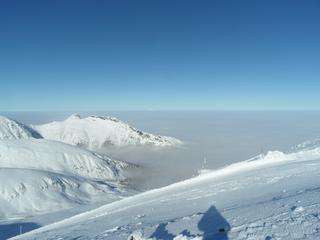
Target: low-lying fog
(220, 137)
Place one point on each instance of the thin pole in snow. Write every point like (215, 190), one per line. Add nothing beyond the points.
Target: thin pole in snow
(204, 163)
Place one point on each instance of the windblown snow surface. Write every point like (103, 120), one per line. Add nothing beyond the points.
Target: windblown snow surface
(96, 132)
(272, 196)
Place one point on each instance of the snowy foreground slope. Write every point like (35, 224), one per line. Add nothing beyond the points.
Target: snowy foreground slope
(272, 196)
(95, 132)
(38, 176)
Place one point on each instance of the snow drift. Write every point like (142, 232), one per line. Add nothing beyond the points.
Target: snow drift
(96, 132)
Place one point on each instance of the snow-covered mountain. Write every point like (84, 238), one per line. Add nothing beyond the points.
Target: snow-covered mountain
(11, 129)
(38, 175)
(271, 196)
(95, 132)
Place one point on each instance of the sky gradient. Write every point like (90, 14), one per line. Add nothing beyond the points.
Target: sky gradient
(159, 55)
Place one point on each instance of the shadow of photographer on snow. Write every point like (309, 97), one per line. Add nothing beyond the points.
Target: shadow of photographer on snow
(212, 225)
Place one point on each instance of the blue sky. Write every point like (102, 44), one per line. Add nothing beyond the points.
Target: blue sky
(159, 55)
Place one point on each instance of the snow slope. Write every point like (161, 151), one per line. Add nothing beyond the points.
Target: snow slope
(38, 176)
(272, 196)
(11, 129)
(95, 132)
(40, 154)
(26, 192)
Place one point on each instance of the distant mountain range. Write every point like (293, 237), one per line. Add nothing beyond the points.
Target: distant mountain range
(96, 132)
(90, 132)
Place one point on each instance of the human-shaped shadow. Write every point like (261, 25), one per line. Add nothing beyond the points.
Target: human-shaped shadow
(213, 225)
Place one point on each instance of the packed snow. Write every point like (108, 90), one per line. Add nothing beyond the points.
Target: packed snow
(95, 132)
(272, 196)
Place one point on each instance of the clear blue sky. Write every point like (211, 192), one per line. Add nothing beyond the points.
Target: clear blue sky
(168, 54)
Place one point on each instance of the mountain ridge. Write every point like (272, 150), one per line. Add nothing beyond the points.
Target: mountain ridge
(99, 131)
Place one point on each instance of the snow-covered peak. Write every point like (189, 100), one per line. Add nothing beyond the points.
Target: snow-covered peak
(96, 132)
(11, 129)
(74, 116)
